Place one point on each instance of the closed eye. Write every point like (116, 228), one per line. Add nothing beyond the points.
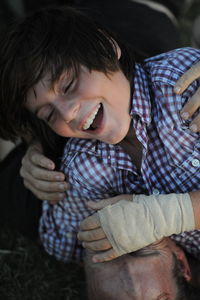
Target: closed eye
(66, 88)
(49, 117)
(46, 113)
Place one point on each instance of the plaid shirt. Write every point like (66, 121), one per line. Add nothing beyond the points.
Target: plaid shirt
(95, 170)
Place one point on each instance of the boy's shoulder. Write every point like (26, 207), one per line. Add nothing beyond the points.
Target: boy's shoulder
(90, 150)
(91, 163)
(82, 154)
(168, 67)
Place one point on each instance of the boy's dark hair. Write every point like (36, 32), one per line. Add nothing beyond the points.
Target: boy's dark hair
(50, 40)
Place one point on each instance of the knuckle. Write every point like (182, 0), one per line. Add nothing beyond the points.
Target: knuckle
(51, 187)
(37, 185)
(92, 235)
(34, 173)
(50, 176)
(102, 245)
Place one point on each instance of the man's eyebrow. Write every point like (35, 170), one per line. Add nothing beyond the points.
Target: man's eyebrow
(144, 253)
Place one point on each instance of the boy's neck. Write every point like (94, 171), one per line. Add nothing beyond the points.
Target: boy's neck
(133, 147)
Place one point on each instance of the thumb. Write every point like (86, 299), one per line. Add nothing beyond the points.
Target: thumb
(103, 203)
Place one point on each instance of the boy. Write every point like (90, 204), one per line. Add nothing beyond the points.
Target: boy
(72, 74)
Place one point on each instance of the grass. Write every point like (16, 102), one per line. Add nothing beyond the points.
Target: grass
(27, 272)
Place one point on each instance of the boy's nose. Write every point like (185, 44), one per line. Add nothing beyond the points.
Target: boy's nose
(69, 111)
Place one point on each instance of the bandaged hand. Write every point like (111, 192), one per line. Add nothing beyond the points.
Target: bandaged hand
(129, 226)
(92, 234)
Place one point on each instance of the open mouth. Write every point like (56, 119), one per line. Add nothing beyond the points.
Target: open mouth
(94, 121)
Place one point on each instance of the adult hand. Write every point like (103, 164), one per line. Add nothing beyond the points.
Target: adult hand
(39, 176)
(93, 235)
(128, 226)
(194, 103)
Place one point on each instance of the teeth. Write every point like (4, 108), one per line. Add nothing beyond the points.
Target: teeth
(91, 118)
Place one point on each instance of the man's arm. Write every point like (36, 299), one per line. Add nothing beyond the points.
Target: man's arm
(132, 225)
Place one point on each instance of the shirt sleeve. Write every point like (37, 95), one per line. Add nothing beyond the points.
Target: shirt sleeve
(89, 179)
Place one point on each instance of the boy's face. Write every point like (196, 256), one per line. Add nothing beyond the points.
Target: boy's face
(94, 106)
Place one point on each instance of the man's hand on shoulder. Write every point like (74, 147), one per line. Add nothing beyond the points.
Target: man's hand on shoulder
(193, 104)
(39, 176)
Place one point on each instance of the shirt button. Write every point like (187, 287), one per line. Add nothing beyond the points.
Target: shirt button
(156, 192)
(195, 162)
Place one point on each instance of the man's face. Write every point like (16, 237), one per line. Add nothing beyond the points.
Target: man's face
(93, 106)
(152, 276)
(145, 275)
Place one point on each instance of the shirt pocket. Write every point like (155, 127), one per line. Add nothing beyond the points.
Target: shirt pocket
(189, 169)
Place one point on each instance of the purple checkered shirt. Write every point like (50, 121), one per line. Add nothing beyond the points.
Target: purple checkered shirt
(95, 170)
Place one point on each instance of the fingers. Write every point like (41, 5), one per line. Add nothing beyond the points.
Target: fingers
(94, 239)
(91, 235)
(105, 202)
(100, 245)
(34, 171)
(91, 222)
(195, 124)
(101, 203)
(40, 160)
(192, 105)
(53, 197)
(187, 78)
(190, 108)
(104, 256)
(44, 183)
(35, 156)
(46, 186)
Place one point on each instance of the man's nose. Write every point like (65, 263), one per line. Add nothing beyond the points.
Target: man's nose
(68, 110)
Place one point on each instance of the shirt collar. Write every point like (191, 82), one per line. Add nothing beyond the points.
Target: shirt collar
(141, 99)
(112, 155)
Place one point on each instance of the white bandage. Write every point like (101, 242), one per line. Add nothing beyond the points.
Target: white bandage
(130, 226)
